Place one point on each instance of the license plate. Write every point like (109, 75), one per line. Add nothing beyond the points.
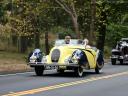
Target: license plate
(51, 67)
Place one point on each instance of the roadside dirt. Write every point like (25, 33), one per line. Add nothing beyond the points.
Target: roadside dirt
(8, 66)
(12, 66)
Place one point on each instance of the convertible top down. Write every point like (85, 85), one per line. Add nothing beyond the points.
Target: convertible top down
(63, 57)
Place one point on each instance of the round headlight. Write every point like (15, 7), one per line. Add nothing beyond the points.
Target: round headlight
(75, 61)
(33, 59)
(67, 60)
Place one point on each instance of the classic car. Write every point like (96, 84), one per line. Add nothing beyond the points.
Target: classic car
(120, 52)
(73, 56)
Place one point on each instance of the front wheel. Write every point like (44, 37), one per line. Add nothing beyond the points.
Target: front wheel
(79, 71)
(39, 71)
(113, 61)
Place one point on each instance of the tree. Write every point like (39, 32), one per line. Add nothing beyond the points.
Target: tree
(28, 20)
(117, 22)
(93, 16)
(102, 22)
(3, 17)
(69, 7)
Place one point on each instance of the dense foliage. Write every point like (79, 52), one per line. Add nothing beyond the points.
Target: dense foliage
(28, 23)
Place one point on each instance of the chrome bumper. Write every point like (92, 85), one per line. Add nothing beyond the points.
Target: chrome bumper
(52, 64)
(114, 57)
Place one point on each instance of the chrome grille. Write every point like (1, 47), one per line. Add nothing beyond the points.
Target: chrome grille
(55, 55)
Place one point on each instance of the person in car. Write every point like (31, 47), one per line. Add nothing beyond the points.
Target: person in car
(124, 48)
(86, 43)
(67, 39)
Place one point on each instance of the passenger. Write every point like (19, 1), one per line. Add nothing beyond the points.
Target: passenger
(67, 39)
(124, 48)
(85, 43)
(118, 46)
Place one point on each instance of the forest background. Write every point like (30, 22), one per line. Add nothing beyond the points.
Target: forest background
(29, 24)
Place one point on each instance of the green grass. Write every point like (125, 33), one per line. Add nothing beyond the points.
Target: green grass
(107, 52)
(12, 55)
(13, 62)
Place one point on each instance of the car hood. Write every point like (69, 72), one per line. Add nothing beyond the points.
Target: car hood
(63, 52)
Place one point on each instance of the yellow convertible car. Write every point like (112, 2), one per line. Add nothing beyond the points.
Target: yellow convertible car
(73, 56)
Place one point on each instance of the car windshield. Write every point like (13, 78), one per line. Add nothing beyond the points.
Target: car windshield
(124, 40)
(72, 42)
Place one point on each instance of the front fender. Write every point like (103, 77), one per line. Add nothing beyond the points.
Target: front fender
(80, 56)
(35, 56)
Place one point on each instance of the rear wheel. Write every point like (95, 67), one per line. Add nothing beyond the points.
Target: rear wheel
(100, 62)
(97, 70)
(39, 71)
(121, 61)
(99, 66)
(79, 71)
(113, 61)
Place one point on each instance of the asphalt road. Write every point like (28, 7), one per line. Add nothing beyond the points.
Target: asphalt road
(113, 81)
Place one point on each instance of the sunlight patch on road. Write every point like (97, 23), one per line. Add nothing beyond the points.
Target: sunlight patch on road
(34, 91)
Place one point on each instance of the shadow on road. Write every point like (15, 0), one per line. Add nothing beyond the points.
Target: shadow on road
(68, 74)
(124, 64)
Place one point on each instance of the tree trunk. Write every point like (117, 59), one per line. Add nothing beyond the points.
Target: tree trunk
(37, 40)
(76, 26)
(46, 43)
(101, 38)
(70, 9)
(102, 31)
(14, 40)
(92, 25)
(23, 44)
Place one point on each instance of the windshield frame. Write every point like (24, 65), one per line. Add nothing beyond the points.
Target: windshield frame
(61, 42)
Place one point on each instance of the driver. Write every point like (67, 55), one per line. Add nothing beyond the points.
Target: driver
(67, 39)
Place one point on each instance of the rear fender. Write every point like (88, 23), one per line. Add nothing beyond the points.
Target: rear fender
(100, 58)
